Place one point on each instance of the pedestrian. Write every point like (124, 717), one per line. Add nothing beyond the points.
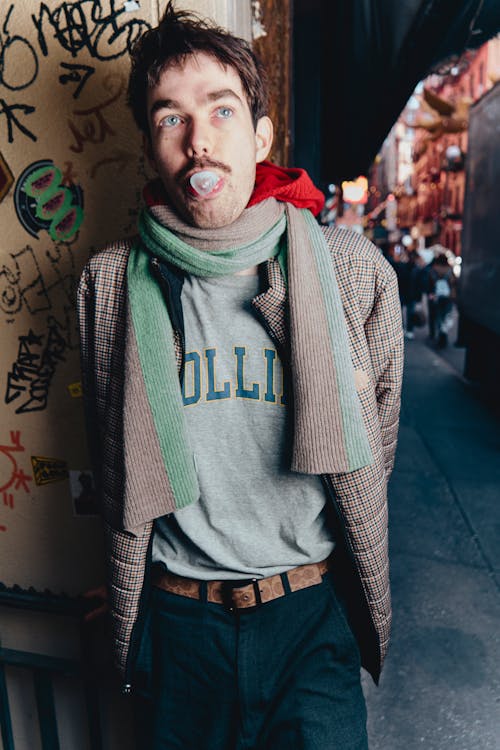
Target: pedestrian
(409, 273)
(242, 372)
(440, 291)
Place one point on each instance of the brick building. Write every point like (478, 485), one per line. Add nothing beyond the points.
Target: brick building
(422, 161)
(434, 203)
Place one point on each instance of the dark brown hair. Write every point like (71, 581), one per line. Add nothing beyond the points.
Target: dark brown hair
(178, 35)
(440, 260)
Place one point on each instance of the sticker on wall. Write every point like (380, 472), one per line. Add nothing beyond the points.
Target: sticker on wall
(75, 389)
(45, 202)
(6, 178)
(83, 492)
(48, 470)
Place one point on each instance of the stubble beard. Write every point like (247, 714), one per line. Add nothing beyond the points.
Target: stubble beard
(210, 214)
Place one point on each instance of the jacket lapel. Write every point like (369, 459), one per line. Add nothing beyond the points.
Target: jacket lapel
(271, 305)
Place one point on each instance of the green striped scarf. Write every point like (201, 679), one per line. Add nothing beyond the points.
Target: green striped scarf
(329, 434)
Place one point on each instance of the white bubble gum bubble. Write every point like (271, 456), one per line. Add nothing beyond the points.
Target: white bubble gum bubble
(204, 182)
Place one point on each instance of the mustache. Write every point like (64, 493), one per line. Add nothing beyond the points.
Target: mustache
(202, 163)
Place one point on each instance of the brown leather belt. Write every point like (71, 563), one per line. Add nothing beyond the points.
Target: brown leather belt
(234, 596)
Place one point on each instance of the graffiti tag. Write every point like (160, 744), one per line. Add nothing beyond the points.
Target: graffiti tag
(76, 74)
(18, 70)
(17, 479)
(106, 33)
(95, 127)
(29, 380)
(18, 59)
(23, 286)
(7, 111)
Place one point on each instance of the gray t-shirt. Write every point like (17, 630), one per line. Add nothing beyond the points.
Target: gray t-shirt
(255, 517)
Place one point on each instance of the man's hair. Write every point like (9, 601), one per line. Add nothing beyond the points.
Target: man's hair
(441, 260)
(178, 35)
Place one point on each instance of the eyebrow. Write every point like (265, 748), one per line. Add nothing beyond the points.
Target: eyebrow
(213, 96)
(164, 104)
(222, 94)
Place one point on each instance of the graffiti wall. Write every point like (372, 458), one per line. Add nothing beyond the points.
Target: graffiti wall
(71, 175)
(70, 178)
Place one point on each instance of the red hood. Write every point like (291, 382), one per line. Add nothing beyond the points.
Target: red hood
(287, 185)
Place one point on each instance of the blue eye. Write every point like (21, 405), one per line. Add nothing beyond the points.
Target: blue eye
(224, 112)
(170, 121)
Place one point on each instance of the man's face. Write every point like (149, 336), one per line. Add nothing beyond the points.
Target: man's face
(200, 120)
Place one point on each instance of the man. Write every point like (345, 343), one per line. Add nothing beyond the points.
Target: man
(242, 373)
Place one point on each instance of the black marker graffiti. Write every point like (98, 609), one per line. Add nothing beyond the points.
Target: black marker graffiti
(18, 70)
(22, 284)
(18, 59)
(88, 25)
(29, 380)
(77, 74)
(8, 111)
(26, 367)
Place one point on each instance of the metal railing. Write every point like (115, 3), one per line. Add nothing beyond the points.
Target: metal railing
(44, 668)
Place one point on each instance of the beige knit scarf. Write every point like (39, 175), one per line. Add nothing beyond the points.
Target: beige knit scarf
(329, 434)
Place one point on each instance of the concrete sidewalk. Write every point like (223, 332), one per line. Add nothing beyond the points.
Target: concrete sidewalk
(440, 688)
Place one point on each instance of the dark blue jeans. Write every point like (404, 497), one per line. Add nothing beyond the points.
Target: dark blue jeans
(282, 676)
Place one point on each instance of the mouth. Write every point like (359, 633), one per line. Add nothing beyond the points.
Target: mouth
(204, 184)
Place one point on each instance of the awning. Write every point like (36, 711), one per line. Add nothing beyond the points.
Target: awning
(373, 53)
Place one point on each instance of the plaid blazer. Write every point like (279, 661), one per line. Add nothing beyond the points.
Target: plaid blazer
(369, 293)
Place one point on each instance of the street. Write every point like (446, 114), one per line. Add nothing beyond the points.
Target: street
(440, 688)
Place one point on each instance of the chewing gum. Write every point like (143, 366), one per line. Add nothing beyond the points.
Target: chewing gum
(204, 182)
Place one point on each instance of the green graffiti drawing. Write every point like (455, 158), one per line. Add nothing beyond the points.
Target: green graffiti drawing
(54, 203)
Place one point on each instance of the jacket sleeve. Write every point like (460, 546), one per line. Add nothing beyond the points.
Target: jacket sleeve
(85, 310)
(126, 558)
(384, 333)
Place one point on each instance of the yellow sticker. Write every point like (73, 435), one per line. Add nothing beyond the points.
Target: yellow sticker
(75, 389)
(48, 470)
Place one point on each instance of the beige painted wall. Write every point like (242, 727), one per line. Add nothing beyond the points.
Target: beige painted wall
(71, 174)
(63, 120)
(63, 117)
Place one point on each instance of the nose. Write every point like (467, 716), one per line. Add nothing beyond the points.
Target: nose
(198, 139)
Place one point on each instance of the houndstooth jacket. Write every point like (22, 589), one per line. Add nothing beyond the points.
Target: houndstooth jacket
(369, 293)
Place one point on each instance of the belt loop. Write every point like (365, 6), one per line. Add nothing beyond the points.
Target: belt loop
(256, 590)
(286, 583)
(203, 591)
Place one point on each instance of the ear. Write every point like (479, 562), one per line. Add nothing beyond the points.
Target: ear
(148, 151)
(264, 132)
